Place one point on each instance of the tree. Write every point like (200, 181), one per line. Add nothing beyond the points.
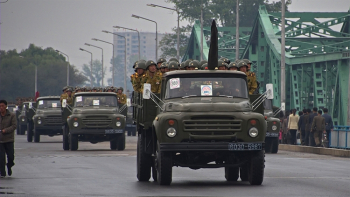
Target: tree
(96, 73)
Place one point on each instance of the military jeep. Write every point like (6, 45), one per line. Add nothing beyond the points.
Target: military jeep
(201, 119)
(273, 128)
(47, 119)
(93, 117)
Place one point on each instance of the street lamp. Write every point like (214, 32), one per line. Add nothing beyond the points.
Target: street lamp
(95, 39)
(131, 30)
(178, 24)
(138, 17)
(90, 65)
(67, 66)
(87, 44)
(108, 32)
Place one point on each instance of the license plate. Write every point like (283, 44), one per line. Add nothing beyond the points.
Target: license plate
(112, 131)
(268, 134)
(240, 146)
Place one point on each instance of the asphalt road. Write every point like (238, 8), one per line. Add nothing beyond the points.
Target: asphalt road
(44, 169)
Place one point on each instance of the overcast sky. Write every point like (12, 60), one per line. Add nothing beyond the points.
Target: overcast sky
(67, 24)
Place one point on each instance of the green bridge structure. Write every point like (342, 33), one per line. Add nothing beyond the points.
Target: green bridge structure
(317, 57)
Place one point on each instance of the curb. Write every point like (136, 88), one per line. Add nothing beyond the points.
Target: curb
(315, 150)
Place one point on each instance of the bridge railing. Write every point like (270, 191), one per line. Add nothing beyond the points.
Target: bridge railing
(340, 137)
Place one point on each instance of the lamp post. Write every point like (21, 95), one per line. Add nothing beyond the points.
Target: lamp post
(104, 31)
(87, 44)
(178, 24)
(138, 33)
(90, 65)
(67, 66)
(138, 17)
(95, 39)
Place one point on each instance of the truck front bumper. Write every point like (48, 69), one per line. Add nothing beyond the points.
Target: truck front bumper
(209, 146)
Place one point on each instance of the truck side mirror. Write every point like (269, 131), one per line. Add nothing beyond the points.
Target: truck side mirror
(128, 102)
(146, 91)
(269, 91)
(64, 103)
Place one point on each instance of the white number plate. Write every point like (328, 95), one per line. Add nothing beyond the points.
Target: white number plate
(112, 131)
(241, 146)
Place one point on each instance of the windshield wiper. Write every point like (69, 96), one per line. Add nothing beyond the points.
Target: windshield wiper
(188, 96)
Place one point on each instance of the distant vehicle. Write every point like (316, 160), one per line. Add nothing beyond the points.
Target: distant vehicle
(47, 119)
(22, 118)
(273, 128)
(93, 117)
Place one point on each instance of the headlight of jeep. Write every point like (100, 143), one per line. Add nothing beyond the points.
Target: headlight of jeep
(39, 121)
(75, 124)
(171, 132)
(118, 124)
(274, 127)
(253, 132)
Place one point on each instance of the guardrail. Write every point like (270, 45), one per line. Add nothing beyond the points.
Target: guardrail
(339, 137)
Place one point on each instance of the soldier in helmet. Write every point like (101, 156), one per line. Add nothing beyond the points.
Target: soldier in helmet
(193, 65)
(204, 66)
(233, 66)
(249, 64)
(67, 96)
(152, 76)
(136, 79)
(224, 59)
(252, 84)
(64, 94)
(159, 62)
(94, 89)
(173, 66)
(121, 97)
(162, 67)
(252, 74)
(222, 65)
(87, 89)
(174, 60)
(187, 63)
(166, 69)
(182, 66)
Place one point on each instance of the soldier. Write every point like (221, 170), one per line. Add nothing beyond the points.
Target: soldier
(136, 79)
(87, 89)
(63, 94)
(152, 77)
(222, 65)
(174, 60)
(173, 66)
(182, 66)
(318, 127)
(201, 64)
(249, 64)
(159, 62)
(187, 64)
(67, 96)
(193, 65)
(224, 59)
(204, 66)
(166, 69)
(232, 66)
(121, 97)
(162, 67)
(252, 84)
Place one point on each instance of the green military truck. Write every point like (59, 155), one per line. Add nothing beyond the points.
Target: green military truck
(47, 119)
(273, 128)
(201, 119)
(22, 118)
(93, 117)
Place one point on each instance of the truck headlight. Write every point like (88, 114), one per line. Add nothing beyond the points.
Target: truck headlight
(253, 132)
(75, 124)
(171, 132)
(274, 127)
(22, 119)
(118, 124)
(39, 121)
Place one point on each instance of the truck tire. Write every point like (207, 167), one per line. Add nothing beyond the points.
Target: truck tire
(29, 133)
(164, 167)
(73, 142)
(36, 135)
(65, 138)
(231, 173)
(113, 144)
(256, 168)
(268, 145)
(121, 142)
(274, 147)
(23, 129)
(244, 173)
(144, 161)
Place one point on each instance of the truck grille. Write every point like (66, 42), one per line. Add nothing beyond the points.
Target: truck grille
(97, 121)
(53, 120)
(212, 125)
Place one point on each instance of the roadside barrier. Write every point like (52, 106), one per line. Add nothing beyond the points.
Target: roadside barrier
(339, 137)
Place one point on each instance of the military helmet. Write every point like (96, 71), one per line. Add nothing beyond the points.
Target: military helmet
(120, 88)
(194, 63)
(141, 65)
(222, 63)
(161, 60)
(174, 60)
(64, 88)
(204, 66)
(135, 64)
(182, 65)
(149, 63)
(237, 61)
(241, 64)
(69, 89)
(87, 88)
(227, 61)
(164, 65)
(94, 88)
(201, 63)
(232, 64)
(247, 61)
(173, 65)
(187, 63)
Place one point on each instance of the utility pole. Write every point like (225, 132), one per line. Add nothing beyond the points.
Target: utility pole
(237, 30)
(283, 63)
(201, 31)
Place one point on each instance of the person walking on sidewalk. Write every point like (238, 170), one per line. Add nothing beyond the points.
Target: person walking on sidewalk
(311, 118)
(329, 123)
(307, 127)
(318, 127)
(293, 126)
(8, 124)
(302, 126)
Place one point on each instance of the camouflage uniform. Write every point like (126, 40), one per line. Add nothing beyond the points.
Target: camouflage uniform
(155, 81)
(68, 98)
(252, 84)
(121, 98)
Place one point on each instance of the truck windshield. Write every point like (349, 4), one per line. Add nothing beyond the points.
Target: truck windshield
(206, 87)
(268, 104)
(49, 103)
(95, 100)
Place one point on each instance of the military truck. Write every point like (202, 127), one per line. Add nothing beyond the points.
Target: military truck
(47, 119)
(22, 118)
(201, 119)
(273, 128)
(93, 117)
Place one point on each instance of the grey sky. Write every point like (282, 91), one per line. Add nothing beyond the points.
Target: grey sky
(67, 24)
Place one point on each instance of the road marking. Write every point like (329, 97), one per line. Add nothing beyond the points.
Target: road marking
(315, 177)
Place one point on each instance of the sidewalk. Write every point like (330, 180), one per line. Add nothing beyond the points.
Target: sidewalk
(315, 150)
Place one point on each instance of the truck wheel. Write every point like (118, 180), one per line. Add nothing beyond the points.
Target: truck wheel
(121, 142)
(256, 168)
(23, 129)
(274, 148)
(36, 135)
(243, 173)
(73, 142)
(29, 133)
(268, 145)
(231, 173)
(65, 138)
(144, 161)
(113, 143)
(164, 167)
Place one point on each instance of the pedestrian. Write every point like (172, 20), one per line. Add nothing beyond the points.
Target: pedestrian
(301, 127)
(318, 127)
(285, 128)
(8, 124)
(329, 123)
(311, 118)
(307, 127)
(293, 126)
